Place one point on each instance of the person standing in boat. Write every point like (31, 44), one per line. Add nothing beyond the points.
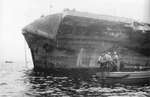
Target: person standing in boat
(100, 62)
(116, 61)
(103, 69)
(108, 61)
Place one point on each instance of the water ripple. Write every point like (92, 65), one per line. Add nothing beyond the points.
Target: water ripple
(24, 82)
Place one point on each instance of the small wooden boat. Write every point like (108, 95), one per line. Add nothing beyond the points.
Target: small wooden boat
(9, 62)
(137, 77)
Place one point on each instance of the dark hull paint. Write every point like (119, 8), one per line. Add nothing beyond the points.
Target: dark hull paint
(54, 57)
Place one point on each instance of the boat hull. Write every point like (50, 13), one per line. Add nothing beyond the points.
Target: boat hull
(134, 78)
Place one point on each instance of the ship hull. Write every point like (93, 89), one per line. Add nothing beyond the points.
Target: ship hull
(54, 58)
(75, 41)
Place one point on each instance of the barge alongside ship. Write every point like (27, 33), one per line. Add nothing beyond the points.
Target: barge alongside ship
(74, 40)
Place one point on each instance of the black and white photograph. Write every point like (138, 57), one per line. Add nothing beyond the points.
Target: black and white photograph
(75, 48)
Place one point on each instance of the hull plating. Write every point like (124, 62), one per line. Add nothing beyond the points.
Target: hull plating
(77, 40)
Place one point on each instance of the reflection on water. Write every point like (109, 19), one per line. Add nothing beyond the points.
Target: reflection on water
(18, 81)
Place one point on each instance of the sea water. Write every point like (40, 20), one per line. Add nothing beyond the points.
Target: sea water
(18, 80)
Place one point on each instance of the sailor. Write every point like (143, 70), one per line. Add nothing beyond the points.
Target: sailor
(101, 62)
(116, 60)
(100, 58)
(108, 61)
(108, 57)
